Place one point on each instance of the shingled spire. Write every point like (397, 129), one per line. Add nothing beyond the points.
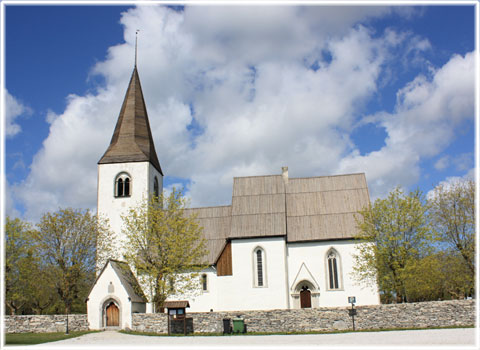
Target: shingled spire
(132, 139)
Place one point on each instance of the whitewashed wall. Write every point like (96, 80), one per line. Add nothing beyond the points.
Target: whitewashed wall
(314, 256)
(142, 177)
(204, 301)
(305, 261)
(238, 292)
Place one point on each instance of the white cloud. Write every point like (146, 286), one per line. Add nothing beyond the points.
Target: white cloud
(230, 92)
(9, 201)
(442, 163)
(427, 114)
(13, 109)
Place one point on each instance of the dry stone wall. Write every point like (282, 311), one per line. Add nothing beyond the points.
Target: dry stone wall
(426, 314)
(44, 323)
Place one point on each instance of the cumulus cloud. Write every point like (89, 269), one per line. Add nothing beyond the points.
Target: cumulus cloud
(428, 112)
(236, 91)
(13, 109)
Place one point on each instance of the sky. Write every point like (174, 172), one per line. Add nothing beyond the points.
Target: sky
(388, 91)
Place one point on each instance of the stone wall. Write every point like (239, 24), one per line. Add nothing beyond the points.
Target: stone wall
(44, 323)
(426, 314)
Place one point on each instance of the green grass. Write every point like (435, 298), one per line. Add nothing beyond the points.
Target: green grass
(39, 338)
(287, 333)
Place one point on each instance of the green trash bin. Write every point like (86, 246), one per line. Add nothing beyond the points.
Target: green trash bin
(238, 325)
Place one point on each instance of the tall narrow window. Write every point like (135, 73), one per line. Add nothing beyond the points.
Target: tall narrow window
(122, 185)
(259, 267)
(126, 184)
(204, 283)
(333, 263)
(155, 188)
(120, 188)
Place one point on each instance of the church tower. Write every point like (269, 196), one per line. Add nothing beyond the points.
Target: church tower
(129, 171)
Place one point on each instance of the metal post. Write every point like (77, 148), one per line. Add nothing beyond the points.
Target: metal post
(353, 318)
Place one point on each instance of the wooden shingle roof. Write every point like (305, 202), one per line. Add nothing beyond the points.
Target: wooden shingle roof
(302, 209)
(258, 206)
(323, 208)
(176, 304)
(132, 139)
(216, 223)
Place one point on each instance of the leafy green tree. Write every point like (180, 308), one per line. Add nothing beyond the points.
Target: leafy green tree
(424, 279)
(396, 235)
(165, 247)
(18, 254)
(452, 212)
(458, 281)
(67, 242)
(440, 275)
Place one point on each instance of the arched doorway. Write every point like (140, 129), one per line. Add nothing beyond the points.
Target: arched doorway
(112, 315)
(305, 298)
(305, 295)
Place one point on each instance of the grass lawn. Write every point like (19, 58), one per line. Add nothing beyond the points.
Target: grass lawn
(38, 338)
(287, 333)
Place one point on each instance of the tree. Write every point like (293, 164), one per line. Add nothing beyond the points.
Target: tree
(396, 234)
(165, 246)
(18, 254)
(453, 217)
(67, 242)
(440, 275)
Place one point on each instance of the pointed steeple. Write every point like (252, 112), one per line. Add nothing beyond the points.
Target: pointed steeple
(132, 139)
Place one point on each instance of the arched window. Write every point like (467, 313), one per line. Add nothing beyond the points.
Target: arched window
(259, 267)
(122, 185)
(204, 283)
(155, 188)
(120, 188)
(333, 265)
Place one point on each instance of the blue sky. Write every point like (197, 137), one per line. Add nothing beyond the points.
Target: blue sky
(238, 91)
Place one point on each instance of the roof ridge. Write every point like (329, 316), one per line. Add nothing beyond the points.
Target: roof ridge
(213, 206)
(323, 176)
(246, 177)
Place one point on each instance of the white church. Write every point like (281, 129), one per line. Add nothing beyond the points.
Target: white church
(282, 243)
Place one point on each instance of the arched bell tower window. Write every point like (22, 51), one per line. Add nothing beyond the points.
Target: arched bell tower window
(333, 266)
(123, 184)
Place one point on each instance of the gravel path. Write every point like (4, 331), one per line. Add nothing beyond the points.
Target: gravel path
(112, 339)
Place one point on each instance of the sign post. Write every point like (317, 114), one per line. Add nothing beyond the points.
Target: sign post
(352, 312)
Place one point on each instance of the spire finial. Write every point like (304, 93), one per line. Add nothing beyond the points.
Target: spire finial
(136, 36)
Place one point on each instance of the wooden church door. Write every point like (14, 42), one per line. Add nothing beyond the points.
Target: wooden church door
(305, 298)
(112, 315)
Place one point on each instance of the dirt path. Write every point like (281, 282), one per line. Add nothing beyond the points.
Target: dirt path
(445, 337)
